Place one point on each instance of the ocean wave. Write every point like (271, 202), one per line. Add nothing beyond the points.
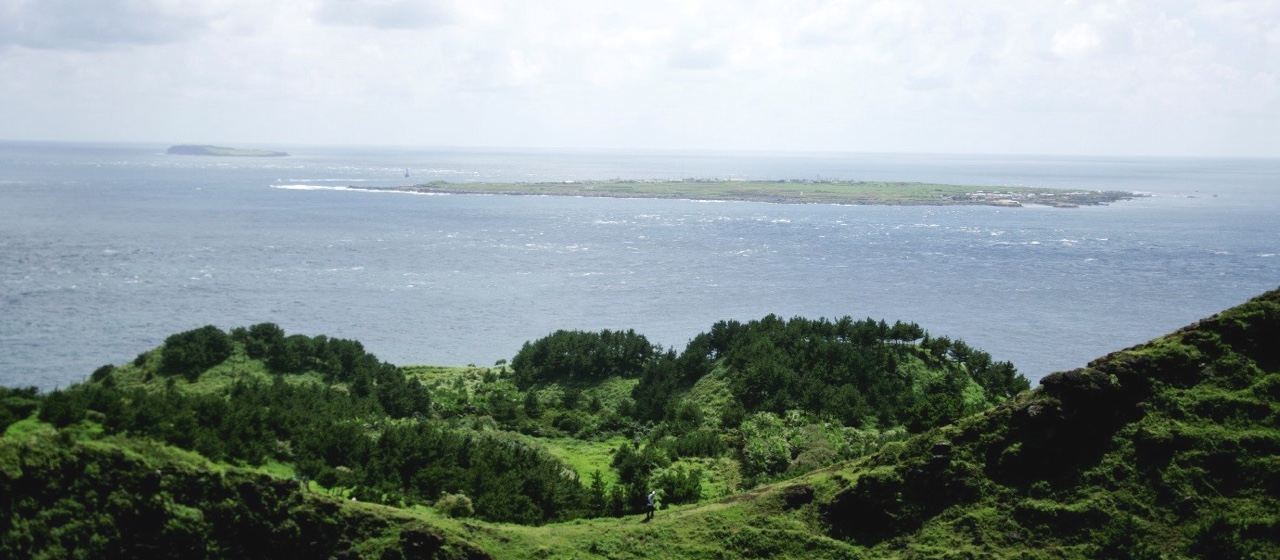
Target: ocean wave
(326, 180)
(312, 188)
(352, 189)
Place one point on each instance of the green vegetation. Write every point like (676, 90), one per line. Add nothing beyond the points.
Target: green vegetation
(774, 438)
(787, 191)
(191, 353)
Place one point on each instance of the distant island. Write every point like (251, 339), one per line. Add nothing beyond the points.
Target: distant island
(786, 192)
(204, 150)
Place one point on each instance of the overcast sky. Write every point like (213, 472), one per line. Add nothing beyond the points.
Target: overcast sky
(1110, 78)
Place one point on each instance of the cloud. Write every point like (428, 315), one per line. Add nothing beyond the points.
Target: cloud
(384, 14)
(698, 58)
(926, 81)
(794, 73)
(96, 25)
(1076, 41)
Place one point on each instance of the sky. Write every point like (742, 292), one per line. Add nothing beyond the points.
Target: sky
(1115, 78)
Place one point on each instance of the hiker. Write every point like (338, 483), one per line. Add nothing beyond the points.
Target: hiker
(652, 499)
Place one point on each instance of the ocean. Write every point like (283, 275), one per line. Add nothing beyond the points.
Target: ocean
(106, 249)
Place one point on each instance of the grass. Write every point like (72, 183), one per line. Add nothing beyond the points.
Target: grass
(145, 372)
(708, 530)
(467, 377)
(796, 192)
(29, 427)
(1172, 451)
(586, 457)
(712, 395)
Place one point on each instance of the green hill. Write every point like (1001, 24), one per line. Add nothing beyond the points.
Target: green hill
(1165, 450)
(220, 151)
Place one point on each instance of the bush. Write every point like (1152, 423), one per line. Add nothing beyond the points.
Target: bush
(16, 404)
(102, 373)
(571, 422)
(766, 448)
(455, 505)
(678, 486)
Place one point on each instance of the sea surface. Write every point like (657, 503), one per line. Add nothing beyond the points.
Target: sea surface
(105, 250)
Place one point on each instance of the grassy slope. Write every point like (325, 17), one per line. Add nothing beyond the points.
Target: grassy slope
(1166, 449)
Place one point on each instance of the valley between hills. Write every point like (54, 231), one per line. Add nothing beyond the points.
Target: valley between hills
(774, 438)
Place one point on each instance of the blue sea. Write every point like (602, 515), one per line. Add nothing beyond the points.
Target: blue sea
(107, 249)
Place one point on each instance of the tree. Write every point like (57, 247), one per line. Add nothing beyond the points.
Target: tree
(597, 498)
(259, 339)
(292, 354)
(532, 407)
(190, 353)
(581, 356)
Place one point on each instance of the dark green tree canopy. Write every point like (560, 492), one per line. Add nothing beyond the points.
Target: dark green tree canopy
(582, 356)
(190, 353)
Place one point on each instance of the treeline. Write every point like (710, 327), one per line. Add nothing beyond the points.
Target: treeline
(582, 356)
(801, 393)
(64, 500)
(191, 353)
(791, 396)
(856, 372)
(337, 440)
(365, 428)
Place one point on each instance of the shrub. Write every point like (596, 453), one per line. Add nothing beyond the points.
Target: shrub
(678, 486)
(16, 404)
(571, 422)
(455, 505)
(102, 373)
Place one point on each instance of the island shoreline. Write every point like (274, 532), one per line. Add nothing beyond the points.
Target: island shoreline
(784, 192)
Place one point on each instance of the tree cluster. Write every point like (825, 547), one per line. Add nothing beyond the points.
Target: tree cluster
(795, 390)
(851, 371)
(190, 353)
(581, 356)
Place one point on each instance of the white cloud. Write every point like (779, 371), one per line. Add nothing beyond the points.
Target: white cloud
(698, 57)
(908, 75)
(384, 14)
(101, 24)
(1076, 41)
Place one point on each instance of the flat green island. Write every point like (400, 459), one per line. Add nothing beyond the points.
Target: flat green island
(786, 192)
(205, 150)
